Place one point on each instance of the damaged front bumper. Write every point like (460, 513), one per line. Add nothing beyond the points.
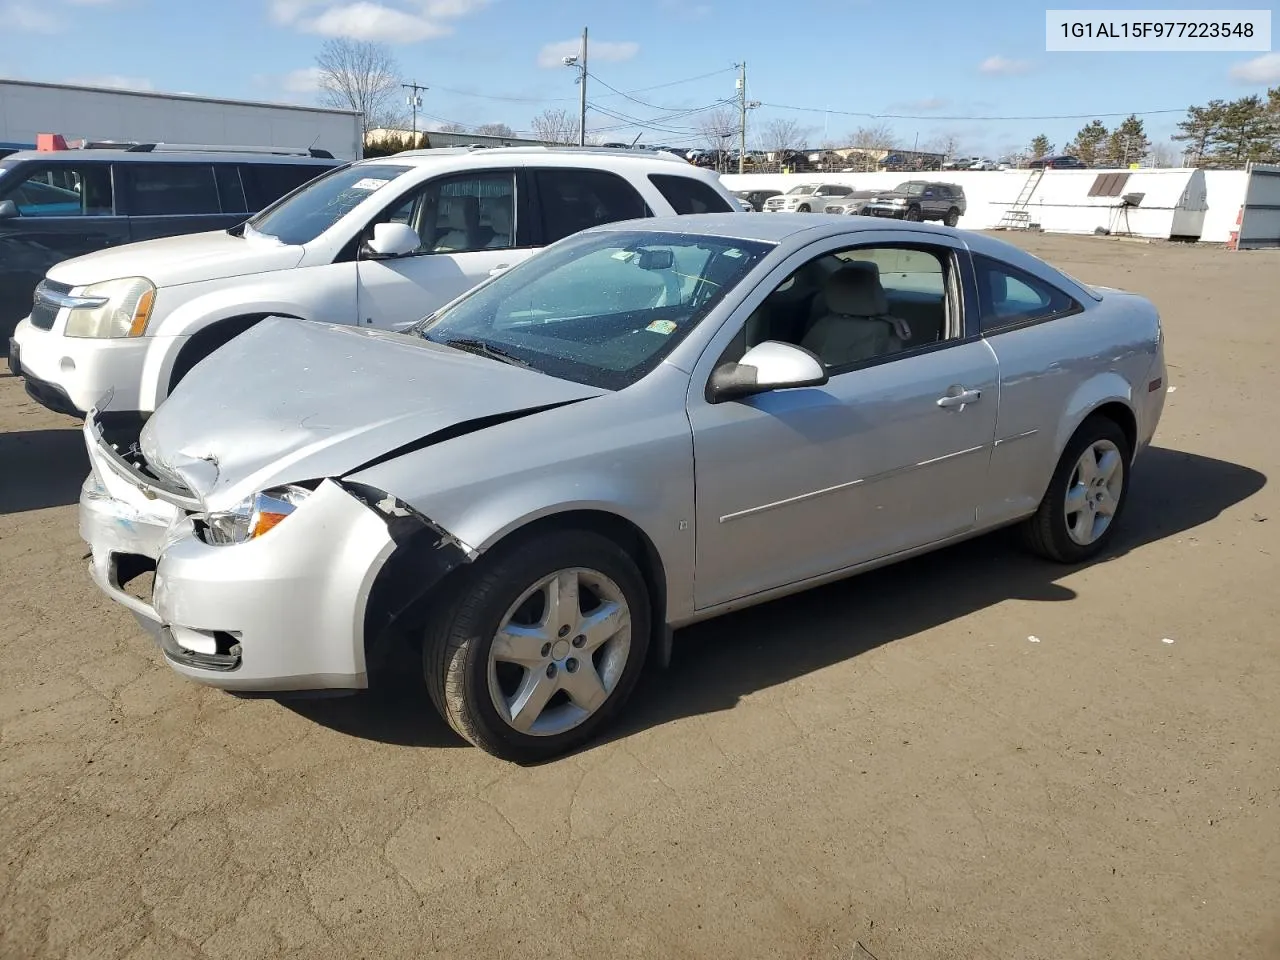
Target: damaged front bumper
(287, 611)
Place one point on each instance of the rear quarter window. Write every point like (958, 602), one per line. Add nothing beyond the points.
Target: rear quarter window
(688, 195)
(1009, 297)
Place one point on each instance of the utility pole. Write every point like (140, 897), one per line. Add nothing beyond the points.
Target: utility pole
(415, 101)
(582, 94)
(743, 106)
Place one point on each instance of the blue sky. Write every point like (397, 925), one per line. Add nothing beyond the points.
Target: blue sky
(498, 60)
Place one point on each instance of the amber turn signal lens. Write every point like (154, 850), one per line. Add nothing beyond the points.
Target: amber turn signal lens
(262, 522)
(142, 314)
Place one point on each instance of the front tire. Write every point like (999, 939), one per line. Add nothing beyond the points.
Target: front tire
(542, 647)
(803, 208)
(1087, 493)
(913, 214)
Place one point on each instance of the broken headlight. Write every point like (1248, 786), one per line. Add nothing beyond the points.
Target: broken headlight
(254, 517)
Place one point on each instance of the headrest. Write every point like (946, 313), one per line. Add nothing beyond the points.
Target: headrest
(500, 214)
(459, 213)
(854, 291)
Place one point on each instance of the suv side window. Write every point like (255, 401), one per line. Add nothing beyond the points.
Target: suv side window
(65, 190)
(265, 183)
(461, 213)
(230, 189)
(171, 189)
(1010, 297)
(575, 199)
(687, 195)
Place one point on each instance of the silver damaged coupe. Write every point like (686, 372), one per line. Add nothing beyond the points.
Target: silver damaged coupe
(647, 424)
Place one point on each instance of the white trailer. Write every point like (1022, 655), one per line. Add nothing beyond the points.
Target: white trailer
(100, 114)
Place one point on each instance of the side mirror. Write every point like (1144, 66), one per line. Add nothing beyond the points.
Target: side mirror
(766, 366)
(8, 209)
(393, 240)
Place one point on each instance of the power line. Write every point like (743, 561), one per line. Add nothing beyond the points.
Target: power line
(616, 92)
(907, 116)
(659, 123)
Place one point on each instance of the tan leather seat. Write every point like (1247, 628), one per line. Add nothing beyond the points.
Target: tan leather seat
(857, 325)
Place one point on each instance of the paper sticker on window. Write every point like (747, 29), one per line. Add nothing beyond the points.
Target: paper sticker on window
(369, 183)
(733, 252)
(663, 327)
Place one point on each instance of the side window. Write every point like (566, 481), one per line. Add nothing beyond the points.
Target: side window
(859, 305)
(687, 195)
(460, 214)
(65, 190)
(573, 200)
(1010, 297)
(171, 189)
(265, 183)
(230, 189)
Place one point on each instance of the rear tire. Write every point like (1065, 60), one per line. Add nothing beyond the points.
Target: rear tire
(952, 217)
(1077, 516)
(556, 677)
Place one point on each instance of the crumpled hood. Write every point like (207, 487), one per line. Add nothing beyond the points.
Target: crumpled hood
(295, 400)
(171, 261)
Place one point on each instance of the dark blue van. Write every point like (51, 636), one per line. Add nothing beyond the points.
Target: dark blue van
(59, 204)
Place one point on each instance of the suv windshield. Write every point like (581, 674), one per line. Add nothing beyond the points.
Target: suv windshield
(909, 188)
(602, 309)
(303, 216)
(805, 189)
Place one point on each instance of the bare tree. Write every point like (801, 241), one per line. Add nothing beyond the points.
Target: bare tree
(718, 127)
(495, 130)
(780, 135)
(453, 126)
(358, 75)
(946, 144)
(555, 126)
(880, 136)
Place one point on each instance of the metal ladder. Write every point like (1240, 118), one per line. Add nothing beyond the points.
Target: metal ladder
(1018, 217)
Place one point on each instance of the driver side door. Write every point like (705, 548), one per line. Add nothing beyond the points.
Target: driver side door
(889, 455)
(469, 227)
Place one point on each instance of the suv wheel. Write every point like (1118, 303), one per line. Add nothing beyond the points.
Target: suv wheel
(803, 208)
(952, 217)
(913, 214)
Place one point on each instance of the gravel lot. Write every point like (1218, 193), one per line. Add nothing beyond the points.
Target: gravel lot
(971, 755)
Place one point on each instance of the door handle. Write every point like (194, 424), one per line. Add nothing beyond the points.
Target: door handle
(960, 399)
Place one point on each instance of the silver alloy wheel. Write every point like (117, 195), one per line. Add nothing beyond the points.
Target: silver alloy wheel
(1093, 492)
(560, 652)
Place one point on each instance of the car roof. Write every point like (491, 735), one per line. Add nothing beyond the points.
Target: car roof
(130, 156)
(535, 153)
(772, 227)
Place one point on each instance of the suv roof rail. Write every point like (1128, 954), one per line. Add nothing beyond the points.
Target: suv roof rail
(223, 148)
(566, 148)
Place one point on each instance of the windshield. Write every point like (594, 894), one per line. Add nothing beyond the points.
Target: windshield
(909, 188)
(601, 309)
(803, 189)
(305, 215)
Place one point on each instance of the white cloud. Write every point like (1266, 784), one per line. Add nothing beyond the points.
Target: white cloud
(396, 21)
(598, 51)
(305, 80)
(1004, 66)
(28, 18)
(113, 80)
(1263, 69)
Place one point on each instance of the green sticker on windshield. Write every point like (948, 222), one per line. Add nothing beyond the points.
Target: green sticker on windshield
(663, 327)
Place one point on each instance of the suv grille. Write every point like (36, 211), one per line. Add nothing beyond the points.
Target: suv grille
(43, 313)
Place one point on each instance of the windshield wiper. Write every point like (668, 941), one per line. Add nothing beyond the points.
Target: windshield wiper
(482, 348)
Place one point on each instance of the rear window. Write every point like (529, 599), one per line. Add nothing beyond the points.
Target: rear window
(171, 189)
(265, 183)
(687, 195)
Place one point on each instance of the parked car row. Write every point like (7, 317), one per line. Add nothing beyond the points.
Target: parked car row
(914, 200)
(532, 480)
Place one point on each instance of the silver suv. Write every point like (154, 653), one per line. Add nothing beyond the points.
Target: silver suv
(807, 197)
(920, 200)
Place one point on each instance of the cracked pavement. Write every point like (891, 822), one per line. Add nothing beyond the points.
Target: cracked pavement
(885, 762)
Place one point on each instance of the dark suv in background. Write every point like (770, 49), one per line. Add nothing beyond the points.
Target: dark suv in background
(59, 204)
(920, 200)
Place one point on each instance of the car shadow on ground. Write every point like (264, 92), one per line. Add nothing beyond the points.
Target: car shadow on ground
(719, 661)
(41, 468)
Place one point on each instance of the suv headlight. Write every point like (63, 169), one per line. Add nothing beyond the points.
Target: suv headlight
(116, 308)
(251, 519)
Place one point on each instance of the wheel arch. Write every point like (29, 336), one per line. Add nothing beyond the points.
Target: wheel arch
(447, 573)
(208, 338)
